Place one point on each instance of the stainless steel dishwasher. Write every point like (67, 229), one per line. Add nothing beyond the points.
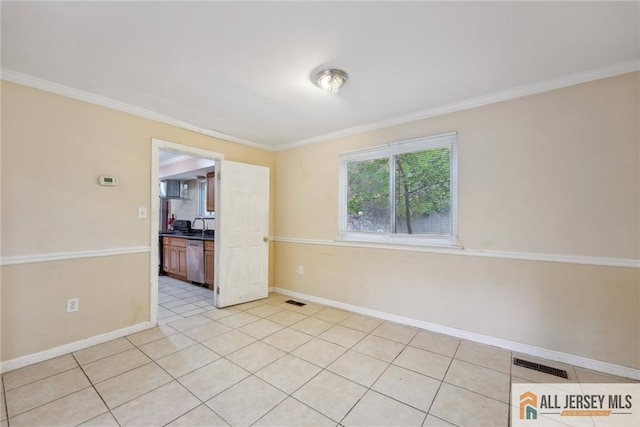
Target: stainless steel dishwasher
(195, 261)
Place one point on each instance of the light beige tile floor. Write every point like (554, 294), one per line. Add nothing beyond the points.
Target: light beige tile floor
(268, 363)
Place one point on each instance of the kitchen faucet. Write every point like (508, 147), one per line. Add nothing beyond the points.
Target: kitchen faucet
(204, 224)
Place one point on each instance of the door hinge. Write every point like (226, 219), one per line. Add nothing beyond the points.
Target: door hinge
(218, 176)
(218, 290)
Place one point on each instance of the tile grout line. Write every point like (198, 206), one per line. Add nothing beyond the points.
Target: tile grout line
(370, 388)
(442, 381)
(97, 392)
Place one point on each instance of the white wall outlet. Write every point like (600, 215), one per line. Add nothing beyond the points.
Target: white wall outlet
(301, 269)
(142, 213)
(73, 304)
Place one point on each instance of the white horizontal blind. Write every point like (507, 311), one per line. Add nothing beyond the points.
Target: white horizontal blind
(388, 151)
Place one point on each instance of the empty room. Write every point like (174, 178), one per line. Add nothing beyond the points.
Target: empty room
(320, 213)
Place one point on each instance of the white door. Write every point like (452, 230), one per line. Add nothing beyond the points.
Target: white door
(241, 230)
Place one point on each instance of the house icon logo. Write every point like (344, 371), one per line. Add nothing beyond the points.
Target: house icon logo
(528, 406)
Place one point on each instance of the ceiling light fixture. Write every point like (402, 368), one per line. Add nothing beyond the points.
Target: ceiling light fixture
(331, 79)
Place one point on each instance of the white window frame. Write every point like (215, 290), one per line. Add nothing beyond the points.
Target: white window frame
(202, 201)
(447, 140)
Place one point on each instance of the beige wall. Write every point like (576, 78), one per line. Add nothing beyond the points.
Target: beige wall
(553, 173)
(53, 150)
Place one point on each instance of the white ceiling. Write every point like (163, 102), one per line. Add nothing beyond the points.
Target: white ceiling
(243, 69)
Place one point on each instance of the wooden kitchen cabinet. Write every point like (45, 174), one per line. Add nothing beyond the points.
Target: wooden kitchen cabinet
(174, 258)
(208, 263)
(211, 190)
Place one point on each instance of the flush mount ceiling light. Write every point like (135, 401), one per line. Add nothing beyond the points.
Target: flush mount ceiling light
(331, 79)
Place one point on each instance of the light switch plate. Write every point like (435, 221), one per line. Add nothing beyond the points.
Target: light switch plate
(142, 213)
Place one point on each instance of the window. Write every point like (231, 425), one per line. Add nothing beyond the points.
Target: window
(405, 192)
(202, 200)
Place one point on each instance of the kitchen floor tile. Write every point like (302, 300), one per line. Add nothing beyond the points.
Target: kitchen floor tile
(193, 312)
(249, 305)
(358, 367)
(32, 395)
(343, 336)
(423, 362)
(200, 416)
(287, 339)
(238, 320)
(118, 390)
(380, 348)
(213, 378)
(588, 376)
(72, 409)
(482, 380)
(220, 313)
(104, 420)
(264, 310)
(167, 320)
(287, 317)
(312, 326)
(167, 346)
(395, 332)
(361, 323)
(246, 402)
(409, 387)
(261, 328)
(330, 394)
(187, 360)
(319, 352)
(207, 331)
(255, 356)
(375, 409)
(288, 373)
(189, 323)
(117, 364)
(228, 343)
(103, 350)
(33, 373)
(435, 343)
(332, 315)
(432, 421)
(485, 355)
(466, 408)
(184, 309)
(3, 407)
(157, 407)
(292, 413)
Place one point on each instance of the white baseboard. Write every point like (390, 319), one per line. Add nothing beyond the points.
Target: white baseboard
(30, 359)
(572, 359)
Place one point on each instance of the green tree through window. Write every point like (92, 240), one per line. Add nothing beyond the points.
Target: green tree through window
(401, 189)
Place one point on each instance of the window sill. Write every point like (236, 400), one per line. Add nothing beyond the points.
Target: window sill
(395, 242)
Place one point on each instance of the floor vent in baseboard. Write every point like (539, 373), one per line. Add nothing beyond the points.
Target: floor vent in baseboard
(298, 303)
(540, 368)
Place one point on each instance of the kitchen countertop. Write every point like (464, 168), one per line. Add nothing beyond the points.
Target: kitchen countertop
(194, 235)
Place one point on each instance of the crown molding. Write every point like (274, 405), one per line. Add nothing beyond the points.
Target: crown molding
(492, 98)
(60, 89)
(518, 92)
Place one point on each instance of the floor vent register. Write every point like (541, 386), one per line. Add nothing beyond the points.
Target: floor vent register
(540, 368)
(298, 303)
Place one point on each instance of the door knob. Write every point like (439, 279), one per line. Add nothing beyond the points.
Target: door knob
(265, 239)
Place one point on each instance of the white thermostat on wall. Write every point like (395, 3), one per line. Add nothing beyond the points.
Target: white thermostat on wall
(108, 181)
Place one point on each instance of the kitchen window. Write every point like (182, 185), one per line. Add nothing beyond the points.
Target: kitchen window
(202, 200)
(404, 192)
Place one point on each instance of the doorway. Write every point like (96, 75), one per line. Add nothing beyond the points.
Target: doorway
(173, 293)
